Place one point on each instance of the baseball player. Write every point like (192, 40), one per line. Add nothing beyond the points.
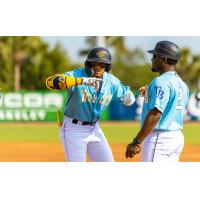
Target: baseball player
(80, 132)
(165, 99)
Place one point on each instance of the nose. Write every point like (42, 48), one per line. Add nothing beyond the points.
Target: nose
(97, 66)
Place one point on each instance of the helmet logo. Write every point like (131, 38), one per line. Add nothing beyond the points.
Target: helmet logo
(100, 54)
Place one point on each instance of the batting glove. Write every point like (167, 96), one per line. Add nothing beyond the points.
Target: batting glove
(92, 82)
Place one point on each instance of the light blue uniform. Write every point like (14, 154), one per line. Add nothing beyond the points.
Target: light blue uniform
(169, 94)
(86, 104)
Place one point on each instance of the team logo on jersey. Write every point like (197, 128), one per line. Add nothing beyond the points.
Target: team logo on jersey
(105, 100)
(87, 97)
(159, 92)
(92, 98)
(100, 54)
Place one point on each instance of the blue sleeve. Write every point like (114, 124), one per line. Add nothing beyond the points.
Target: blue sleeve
(71, 73)
(120, 91)
(159, 93)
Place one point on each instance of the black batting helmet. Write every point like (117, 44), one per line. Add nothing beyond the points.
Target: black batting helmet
(166, 49)
(101, 55)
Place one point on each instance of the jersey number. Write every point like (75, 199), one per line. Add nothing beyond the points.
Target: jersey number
(180, 97)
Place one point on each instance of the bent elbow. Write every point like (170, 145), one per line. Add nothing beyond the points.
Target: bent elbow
(131, 101)
(56, 82)
(128, 99)
(49, 83)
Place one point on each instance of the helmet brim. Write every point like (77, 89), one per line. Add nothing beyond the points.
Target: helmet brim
(151, 51)
(156, 53)
(105, 61)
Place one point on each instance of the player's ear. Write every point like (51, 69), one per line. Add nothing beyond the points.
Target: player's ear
(165, 60)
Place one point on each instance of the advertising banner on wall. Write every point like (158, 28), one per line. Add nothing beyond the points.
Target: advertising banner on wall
(43, 106)
(31, 106)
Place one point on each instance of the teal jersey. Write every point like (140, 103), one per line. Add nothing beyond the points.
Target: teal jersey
(85, 103)
(169, 94)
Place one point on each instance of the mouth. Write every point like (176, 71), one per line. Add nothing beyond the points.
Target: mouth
(97, 74)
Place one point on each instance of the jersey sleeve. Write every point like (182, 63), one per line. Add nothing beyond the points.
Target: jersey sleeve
(120, 91)
(159, 93)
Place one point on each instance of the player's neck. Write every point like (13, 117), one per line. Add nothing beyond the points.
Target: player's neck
(168, 68)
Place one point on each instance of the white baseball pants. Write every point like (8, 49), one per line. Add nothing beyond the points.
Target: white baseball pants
(79, 140)
(163, 146)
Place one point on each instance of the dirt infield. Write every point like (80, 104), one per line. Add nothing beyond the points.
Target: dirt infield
(53, 152)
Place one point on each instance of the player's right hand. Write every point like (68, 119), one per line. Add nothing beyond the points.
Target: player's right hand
(92, 81)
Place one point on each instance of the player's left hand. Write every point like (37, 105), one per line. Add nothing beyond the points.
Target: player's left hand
(143, 90)
(93, 81)
(133, 149)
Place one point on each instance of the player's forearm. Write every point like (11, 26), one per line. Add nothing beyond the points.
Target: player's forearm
(62, 82)
(150, 123)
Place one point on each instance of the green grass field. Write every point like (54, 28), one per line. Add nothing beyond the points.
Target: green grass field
(116, 133)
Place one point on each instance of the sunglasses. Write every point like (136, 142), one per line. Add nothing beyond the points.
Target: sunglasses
(101, 65)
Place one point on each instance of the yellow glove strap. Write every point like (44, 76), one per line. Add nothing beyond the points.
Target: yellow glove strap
(62, 82)
(71, 81)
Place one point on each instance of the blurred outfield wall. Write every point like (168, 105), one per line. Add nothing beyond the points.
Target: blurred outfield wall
(43, 106)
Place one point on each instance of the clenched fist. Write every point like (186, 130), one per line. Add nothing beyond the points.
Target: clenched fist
(133, 149)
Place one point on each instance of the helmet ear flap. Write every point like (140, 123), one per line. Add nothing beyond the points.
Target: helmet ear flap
(86, 64)
(89, 71)
(108, 68)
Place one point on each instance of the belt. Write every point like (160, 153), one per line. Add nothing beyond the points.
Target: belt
(76, 121)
